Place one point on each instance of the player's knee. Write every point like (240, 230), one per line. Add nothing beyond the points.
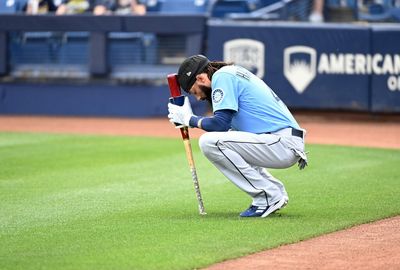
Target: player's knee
(207, 144)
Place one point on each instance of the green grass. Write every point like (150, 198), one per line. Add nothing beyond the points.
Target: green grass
(99, 202)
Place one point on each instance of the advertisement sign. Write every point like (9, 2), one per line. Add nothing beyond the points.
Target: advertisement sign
(385, 63)
(308, 66)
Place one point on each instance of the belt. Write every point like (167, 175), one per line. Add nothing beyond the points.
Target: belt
(297, 133)
(288, 132)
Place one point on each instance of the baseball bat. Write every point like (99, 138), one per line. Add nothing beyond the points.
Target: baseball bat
(175, 91)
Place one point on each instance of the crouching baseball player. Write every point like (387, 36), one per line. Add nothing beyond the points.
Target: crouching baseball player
(251, 129)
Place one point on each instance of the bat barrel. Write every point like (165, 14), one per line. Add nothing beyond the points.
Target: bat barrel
(173, 84)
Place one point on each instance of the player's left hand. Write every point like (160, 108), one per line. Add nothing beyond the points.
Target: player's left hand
(180, 114)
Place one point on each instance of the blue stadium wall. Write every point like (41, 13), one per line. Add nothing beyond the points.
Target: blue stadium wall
(87, 100)
(327, 66)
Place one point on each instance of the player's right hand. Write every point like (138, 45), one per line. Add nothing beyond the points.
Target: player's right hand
(180, 114)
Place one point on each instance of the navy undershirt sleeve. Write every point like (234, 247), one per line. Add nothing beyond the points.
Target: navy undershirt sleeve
(220, 121)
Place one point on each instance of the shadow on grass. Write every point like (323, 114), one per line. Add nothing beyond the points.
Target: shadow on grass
(232, 215)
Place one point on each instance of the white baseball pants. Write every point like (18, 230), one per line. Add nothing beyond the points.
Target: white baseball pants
(242, 157)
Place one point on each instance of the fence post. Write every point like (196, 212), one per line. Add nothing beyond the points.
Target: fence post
(98, 65)
(3, 53)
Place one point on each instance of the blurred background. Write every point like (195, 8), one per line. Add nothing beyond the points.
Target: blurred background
(111, 57)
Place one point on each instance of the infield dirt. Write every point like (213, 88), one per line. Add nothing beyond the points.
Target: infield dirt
(369, 246)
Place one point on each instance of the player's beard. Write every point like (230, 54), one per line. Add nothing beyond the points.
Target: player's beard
(207, 92)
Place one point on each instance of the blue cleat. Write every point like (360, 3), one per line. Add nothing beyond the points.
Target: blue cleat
(263, 211)
(254, 211)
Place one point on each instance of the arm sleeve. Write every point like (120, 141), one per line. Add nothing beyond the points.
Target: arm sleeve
(220, 121)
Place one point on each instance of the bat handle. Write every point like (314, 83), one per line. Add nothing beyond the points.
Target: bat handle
(202, 210)
(192, 166)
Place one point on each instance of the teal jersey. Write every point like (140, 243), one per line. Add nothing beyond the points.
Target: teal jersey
(258, 109)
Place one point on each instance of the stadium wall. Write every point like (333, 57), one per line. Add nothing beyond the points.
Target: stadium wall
(87, 100)
(325, 66)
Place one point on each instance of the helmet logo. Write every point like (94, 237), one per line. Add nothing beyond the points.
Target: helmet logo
(189, 73)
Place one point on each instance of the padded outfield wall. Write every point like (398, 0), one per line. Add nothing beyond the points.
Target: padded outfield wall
(325, 66)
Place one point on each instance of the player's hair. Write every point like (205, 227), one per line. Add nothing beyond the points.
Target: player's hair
(212, 67)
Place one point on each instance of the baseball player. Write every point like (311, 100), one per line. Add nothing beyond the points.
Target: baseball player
(251, 129)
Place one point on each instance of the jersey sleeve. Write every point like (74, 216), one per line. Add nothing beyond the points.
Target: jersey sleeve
(224, 95)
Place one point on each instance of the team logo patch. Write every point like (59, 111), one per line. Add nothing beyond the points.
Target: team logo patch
(217, 95)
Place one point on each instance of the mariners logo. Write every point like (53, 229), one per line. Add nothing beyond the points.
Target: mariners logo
(300, 65)
(247, 53)
(217, 95)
